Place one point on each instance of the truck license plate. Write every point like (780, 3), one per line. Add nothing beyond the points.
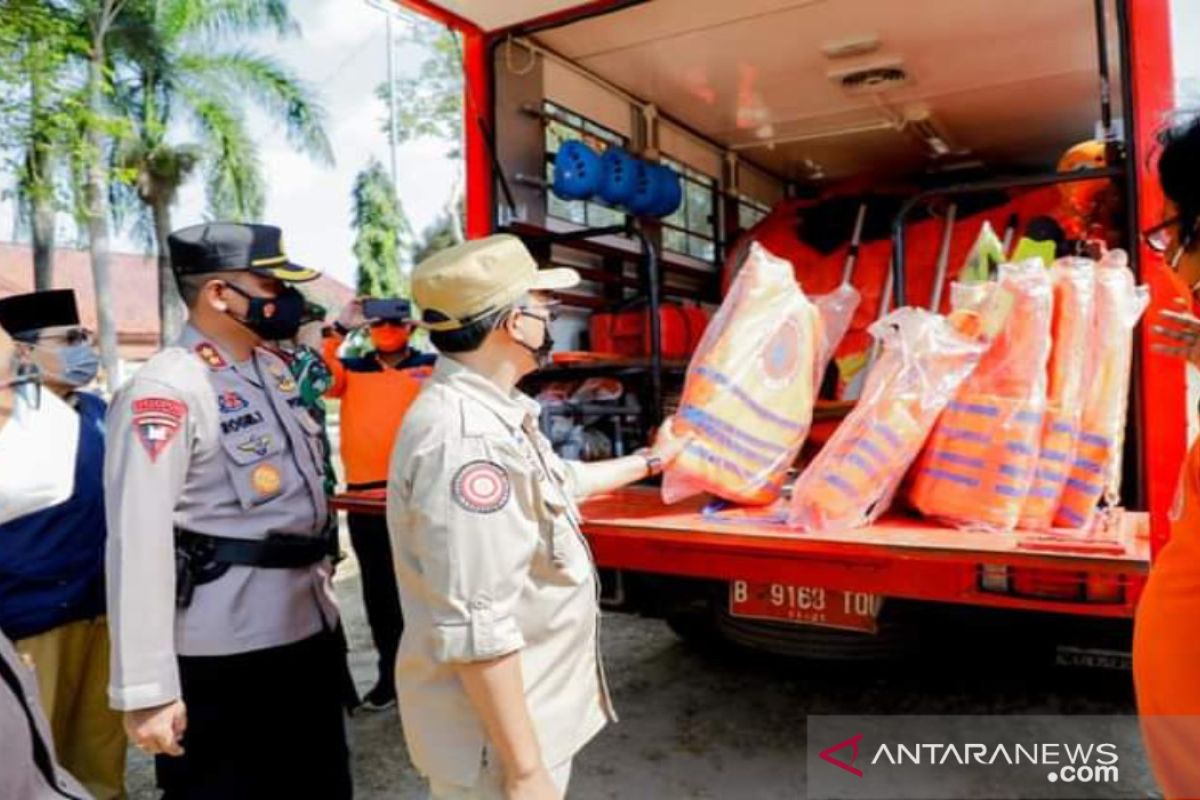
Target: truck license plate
(805, 605)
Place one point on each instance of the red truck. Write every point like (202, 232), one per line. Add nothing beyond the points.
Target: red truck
(763, 100)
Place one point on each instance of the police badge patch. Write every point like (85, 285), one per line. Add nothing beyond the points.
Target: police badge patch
(156, 420)
(481, 487)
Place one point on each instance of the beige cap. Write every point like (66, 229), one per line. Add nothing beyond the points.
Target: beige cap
(464, 283)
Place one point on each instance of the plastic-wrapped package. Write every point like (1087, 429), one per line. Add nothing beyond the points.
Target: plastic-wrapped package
(979, 462)
(1096, 472)
(987, 252)
(924, 359)
(748, 396)
(837, 312)
(1074, 281)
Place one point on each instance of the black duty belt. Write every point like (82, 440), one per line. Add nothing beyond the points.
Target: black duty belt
(201, 558)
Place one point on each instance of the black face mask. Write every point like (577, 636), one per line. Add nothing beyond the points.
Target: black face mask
(273, 318)
(541, 354)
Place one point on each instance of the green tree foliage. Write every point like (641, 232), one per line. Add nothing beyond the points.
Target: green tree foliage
(382, 233)
(40, 112)
(429, 103)
(185, 74)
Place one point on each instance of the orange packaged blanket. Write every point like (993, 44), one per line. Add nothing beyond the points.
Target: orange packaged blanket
(924, 359)
(1074, 281)
(1096, 471)
(980, 460)
(748, 396)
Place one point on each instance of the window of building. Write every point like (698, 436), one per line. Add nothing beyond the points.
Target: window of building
(692, 229)
(750, 212)
(563, 125)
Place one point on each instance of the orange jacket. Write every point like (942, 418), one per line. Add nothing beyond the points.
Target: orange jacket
(375, 398)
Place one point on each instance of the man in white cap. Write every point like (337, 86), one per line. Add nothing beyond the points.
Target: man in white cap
(499, 677)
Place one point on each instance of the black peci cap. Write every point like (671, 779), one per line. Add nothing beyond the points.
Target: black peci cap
(23, 314)
(234, 247)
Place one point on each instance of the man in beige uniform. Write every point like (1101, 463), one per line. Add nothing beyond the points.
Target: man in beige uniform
(499, 676)
(225, 656)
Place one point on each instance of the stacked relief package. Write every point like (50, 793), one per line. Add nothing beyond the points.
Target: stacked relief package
(748, 396)
(982, 456)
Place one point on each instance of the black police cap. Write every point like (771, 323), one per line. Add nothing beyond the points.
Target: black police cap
(234, 247)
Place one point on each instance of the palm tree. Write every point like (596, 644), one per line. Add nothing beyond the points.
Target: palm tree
(39, 112)
(186, 77)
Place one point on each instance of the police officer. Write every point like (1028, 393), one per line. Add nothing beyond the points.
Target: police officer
(499, 677)
(225, 654)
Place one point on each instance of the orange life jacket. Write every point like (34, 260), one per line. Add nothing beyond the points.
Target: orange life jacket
(1096, 471)
(982, 456)
(852, 480)
(748, 397)
(1074, 281)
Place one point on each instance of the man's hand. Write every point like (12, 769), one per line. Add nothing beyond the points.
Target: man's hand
(667, 444)
(352, 315)
(159, 729)
(537, 785)
(1184, 332)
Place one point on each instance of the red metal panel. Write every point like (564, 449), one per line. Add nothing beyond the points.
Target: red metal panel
(479, 122)
(944, 577)
(436, 13)
(1163, 380)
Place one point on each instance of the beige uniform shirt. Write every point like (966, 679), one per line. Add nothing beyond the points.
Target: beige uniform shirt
(490, 561)
(198, 441)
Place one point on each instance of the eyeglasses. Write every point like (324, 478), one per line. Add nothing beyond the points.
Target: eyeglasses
(71, 338)
(551, 315)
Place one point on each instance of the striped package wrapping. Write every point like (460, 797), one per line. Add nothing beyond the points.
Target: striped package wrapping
(923, 360)
(980, 460)
(1074, 284)
(1096, 471)
(748, 396)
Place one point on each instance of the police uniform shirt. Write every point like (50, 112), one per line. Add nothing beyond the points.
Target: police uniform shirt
(490, 560)
(203, 443)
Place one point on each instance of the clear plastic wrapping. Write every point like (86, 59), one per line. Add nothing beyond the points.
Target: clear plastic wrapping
(837, 312)
(980, 460)
(748, 396)
(1096, 471)
(1074, 286)
(924, 359)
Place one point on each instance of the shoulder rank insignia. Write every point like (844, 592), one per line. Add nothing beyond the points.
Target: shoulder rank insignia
(211, 356)
(481, 487)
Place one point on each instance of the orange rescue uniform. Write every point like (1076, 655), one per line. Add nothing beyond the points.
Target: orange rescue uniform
(375, 398)
(1166, 647)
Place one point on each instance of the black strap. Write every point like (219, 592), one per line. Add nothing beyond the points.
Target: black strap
(277, 551)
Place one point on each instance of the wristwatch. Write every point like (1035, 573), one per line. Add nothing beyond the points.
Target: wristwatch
(339, 328)
(654, 464)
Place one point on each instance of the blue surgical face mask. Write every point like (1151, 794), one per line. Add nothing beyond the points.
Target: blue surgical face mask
(80, 363)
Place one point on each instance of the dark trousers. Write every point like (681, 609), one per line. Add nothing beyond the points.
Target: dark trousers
(369, 538)
(264, 724)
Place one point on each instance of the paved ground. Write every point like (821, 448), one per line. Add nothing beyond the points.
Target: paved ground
(723, 724)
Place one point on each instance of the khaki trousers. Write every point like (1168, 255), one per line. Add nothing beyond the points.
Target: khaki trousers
(71, 665)
(490, 785)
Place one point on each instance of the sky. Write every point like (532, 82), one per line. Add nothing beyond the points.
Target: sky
(341, 52)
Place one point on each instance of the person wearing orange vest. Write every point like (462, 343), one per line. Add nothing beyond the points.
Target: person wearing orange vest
(1166, 639)
(376, 390)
